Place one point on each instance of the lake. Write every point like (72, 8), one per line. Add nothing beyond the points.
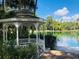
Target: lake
(68, 41)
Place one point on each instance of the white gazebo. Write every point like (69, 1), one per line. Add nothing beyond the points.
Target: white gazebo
(24, 11)
(28, 21)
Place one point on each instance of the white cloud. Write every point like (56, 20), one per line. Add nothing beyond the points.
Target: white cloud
(61, 12)
(76, 17)
(70, 18)
(66, 19)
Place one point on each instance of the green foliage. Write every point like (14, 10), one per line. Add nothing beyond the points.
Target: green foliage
(49, 23)
(33, 36)
(50, 41)
(27, 52)
(23, 32)
(52, 24)
(10, 51)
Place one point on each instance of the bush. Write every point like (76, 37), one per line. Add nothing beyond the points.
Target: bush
(50, 41)
(33, 36)
(12, 52)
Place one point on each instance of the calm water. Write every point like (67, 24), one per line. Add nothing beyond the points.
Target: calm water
(68, 41)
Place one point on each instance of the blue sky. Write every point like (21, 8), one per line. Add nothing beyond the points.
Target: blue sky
(49, 7)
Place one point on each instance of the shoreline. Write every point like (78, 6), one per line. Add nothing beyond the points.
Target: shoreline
(74, 50)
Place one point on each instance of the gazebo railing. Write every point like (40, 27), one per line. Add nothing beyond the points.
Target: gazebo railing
(26, 41)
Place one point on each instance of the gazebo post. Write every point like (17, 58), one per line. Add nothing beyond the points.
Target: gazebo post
(3, 32)
(6, 31)
(44, 37)
(17, 33)
(29, 35)
(37, 38)
(17, 37)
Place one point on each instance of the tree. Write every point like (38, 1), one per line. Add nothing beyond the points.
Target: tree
(49, 23)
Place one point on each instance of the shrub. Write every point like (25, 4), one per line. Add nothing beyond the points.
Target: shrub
(50, 41)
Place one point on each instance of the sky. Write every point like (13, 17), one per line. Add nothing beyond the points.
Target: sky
(65, 9)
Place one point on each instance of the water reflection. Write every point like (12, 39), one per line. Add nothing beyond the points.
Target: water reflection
(68, 42)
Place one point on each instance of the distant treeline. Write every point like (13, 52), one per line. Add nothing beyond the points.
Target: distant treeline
(52, 24)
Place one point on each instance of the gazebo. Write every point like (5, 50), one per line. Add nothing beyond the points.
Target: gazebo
(25, 16)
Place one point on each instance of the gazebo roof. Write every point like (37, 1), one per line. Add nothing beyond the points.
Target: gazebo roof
(31, 19)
